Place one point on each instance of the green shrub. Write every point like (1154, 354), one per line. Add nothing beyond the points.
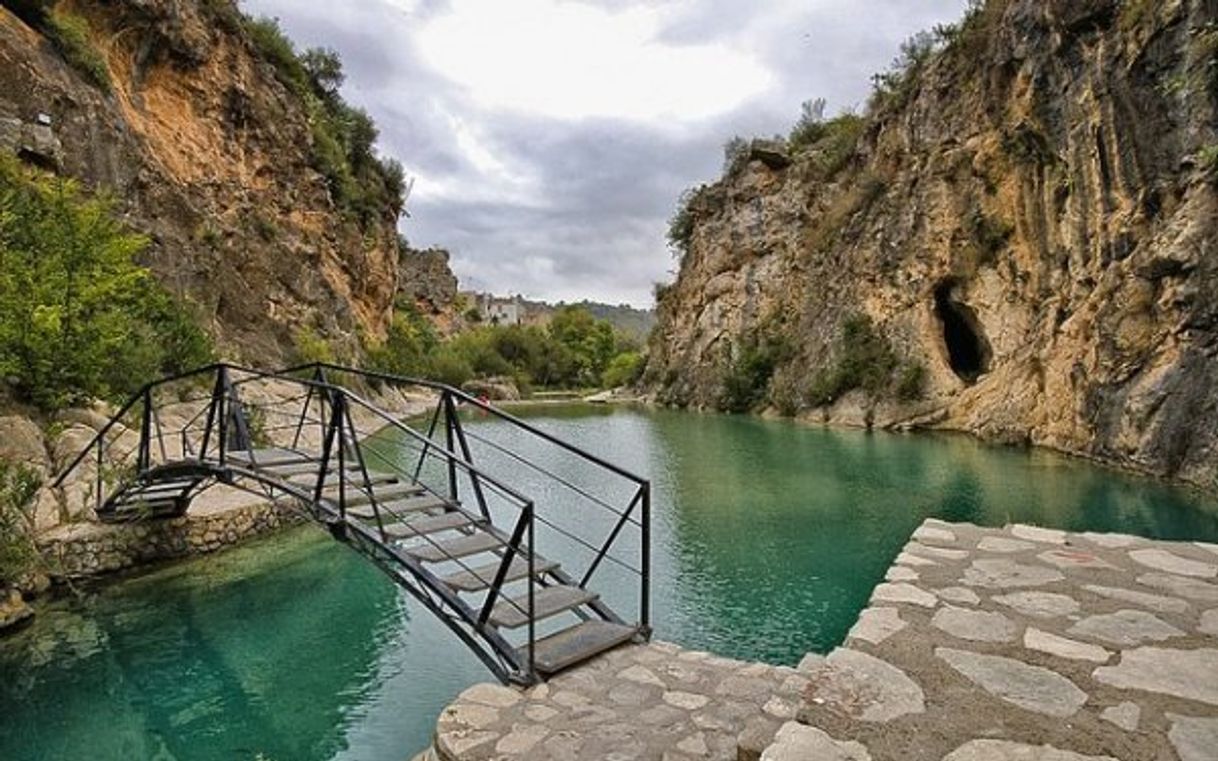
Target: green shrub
(308, 346)
(361, 184)
(19, 485)
(275, 47)
(735, 154)
(911, 382)
(838, 144)
(449, 367)
(69, 34)
(681, 224)
(864, 360)
(623, 370)
(893, 88)
(1207, 159)
(746, 379)
(811, 125)
(78, 318)
(407, 347)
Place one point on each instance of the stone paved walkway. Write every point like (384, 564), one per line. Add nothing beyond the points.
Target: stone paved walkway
(1024, 643)
(1015, 644)
(652, 701)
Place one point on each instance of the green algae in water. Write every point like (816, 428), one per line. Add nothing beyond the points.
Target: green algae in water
(768, 539)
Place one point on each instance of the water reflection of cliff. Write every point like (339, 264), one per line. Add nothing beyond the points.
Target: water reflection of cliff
(261, 650)
(782, 531)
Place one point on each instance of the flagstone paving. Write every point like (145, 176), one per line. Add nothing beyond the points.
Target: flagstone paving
(1015, 644)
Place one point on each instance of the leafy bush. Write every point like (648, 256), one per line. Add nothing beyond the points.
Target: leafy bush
(78, 318)
(19, 486)
(746, 380)
(1207, 159)
(911, 382)
(681, 224)
(623, 370)
(449, 367)
(69, 34)
(361, 183)
(865, 360)
(735, 153)
(894, 87)
(309, 346)
(405, 350)
(810, 127)
(574, 351)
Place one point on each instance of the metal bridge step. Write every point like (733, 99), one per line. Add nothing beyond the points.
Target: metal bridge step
(393, 508)
(430, 525)
(120, 511)
(271, 456)
(547, 602)
(481, 577)
(354, 480)
(384, 494)
(451, 549)
(568, 647)
(312, 467)
(163, 487)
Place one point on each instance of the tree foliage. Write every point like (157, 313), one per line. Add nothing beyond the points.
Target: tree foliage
(78, 317)
(575, 350)
(361, 183)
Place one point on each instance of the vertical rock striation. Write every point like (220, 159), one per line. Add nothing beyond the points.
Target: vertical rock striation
(1032, 223)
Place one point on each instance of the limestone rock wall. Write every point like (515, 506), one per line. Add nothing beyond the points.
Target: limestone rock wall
(209, 155)
(1042, 206)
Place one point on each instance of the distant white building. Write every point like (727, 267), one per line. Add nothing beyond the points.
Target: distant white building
(501, 311)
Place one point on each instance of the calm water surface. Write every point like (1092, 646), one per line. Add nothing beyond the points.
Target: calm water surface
(768, 538)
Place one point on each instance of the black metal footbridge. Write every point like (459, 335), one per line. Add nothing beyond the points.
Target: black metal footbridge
(528, 554)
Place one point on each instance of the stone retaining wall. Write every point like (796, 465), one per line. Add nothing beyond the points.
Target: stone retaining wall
(90, 549)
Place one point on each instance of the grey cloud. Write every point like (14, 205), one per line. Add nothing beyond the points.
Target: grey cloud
(606, 187)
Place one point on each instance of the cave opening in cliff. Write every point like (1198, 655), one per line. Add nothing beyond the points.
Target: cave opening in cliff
(968, 351)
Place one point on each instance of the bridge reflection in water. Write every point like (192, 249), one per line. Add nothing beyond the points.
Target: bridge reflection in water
(291, 647)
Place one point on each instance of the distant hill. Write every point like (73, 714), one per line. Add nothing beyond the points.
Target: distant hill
(625, 318)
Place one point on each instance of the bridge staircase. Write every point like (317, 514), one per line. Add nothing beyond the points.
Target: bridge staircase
(523, 582)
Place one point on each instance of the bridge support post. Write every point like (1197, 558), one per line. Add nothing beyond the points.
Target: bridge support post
(145, 455)
(450, 415)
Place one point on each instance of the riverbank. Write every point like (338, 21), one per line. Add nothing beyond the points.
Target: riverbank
(1007, 643)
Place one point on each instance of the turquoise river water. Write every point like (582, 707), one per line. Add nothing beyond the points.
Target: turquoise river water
(767, 540)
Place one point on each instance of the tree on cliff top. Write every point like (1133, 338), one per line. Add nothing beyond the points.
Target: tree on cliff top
(361, 183)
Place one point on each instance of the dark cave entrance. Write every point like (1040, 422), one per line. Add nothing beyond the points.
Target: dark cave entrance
(968, 351)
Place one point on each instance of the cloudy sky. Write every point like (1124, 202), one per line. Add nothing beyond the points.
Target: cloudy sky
(551, 138)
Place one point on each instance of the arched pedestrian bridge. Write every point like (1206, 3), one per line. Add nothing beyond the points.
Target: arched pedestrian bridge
(507, 551)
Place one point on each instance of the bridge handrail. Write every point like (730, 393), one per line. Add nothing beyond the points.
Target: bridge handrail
(136, 398)
(468, 398)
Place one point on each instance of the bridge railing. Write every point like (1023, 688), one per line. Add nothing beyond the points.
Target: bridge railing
(213, 422)
(134, 438)
(590, 511)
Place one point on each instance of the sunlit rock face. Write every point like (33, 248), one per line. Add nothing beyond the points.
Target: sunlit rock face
(1033, 221)
(209, 155)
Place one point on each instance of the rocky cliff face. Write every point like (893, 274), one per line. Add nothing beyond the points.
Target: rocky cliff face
(426, 282)
(1031, 219)
(209, 155)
